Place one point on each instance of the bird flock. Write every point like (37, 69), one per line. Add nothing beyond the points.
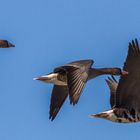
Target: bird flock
(69, 81)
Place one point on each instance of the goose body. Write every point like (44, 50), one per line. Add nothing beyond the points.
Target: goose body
(6, 44)
(125, 94)
(70, 79)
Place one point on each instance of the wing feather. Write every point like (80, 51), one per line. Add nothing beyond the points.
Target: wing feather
(128, 91)
(77, 74)
(59, 95)
(112, 84)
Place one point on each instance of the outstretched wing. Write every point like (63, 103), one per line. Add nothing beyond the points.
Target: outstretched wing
(128, 91)
(77, 74)
(58, 97)
(112, 84)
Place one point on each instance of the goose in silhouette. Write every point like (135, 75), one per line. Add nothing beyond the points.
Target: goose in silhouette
(70, 80)
(6, 44)
(125, 94)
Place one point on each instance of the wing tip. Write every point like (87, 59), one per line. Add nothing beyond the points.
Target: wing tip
(111, 79)
(134, 42)
(53, 114)
(73, 101)
(52, 117)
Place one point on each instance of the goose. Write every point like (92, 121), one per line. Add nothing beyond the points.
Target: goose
(6, 44)
(70, 80)
(125, 94)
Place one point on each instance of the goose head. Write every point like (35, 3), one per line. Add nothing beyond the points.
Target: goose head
(118, 71)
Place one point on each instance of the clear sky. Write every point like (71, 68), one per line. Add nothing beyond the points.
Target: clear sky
(50, 33)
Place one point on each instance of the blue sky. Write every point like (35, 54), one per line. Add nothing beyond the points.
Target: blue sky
(50, 33)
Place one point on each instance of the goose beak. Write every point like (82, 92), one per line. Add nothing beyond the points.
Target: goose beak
(124, 72)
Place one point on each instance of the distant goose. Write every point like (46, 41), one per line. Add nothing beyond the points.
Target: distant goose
(125, 95)
(6, 44)
(70, 80)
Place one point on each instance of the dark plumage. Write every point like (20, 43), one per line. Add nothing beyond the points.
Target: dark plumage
(5, 44)
(70, 80)
(112, 84)
(125, 95)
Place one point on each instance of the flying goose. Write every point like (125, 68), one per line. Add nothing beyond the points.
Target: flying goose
(6, 44)
(70, 80)
(125, 94)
